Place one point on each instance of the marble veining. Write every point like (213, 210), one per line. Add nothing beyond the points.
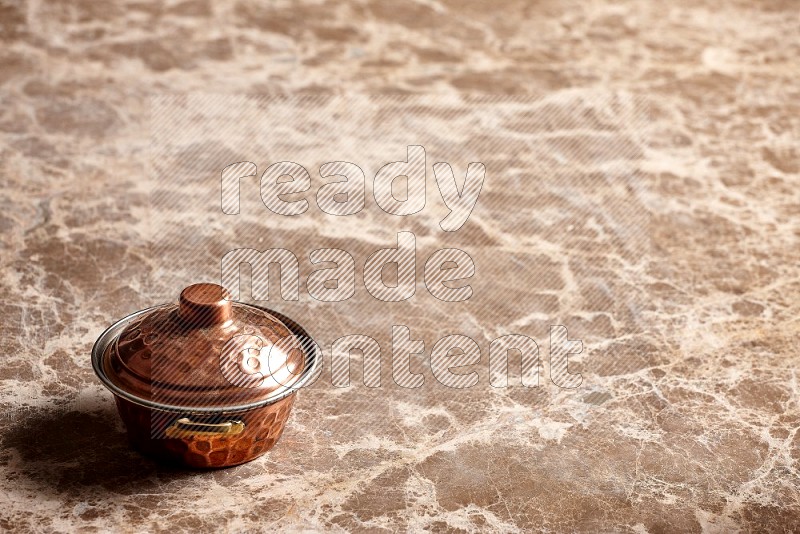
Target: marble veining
(643, 189)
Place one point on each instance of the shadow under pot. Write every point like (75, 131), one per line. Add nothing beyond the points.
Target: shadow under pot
(206, 382)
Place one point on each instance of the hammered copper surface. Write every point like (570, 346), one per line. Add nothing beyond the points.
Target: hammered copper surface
(263, 428)
(171, 359)
(195, 354)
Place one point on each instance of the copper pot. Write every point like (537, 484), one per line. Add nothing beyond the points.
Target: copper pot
(206, 382)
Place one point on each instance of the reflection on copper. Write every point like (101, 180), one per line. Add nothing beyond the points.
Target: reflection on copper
(208, 382)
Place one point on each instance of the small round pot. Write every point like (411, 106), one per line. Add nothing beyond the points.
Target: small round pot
(208, 382)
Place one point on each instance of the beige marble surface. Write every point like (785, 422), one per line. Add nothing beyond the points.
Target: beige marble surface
(642, 189)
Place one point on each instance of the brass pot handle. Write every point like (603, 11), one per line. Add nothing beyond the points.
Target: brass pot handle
(185, 428)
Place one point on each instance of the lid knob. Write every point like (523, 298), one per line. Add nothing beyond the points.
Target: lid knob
(204, 304)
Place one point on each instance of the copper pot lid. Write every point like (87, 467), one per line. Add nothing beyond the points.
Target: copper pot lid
(205, 353)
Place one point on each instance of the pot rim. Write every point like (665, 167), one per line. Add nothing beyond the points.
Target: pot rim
(312, 350)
